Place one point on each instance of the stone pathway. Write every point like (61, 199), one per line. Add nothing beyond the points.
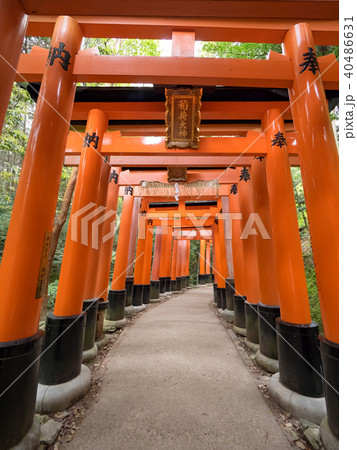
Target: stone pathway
(174, 380)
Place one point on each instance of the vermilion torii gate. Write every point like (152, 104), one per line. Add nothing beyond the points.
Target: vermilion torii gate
(259, 139)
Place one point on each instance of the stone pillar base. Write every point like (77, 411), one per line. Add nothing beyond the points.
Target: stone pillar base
(240, 331)
(328, 440)
(253, 347)
(132, 310)
(227, 315)
(299, 406)
(103, 342)
(90, 354)
(117, 323)
(57, 397)
(269, 364)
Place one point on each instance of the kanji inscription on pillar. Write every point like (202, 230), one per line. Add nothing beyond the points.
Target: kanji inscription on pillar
(59, 53)
(183, 117)
(43, 264)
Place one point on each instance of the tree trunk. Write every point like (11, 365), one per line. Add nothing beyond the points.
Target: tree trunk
(60, 221)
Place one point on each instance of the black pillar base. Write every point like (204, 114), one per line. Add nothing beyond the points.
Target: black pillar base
(239, 310)
(155, 289)
(102, 307)
(178, 283)
(168, 284)
(129, 286)
(117, 302)
(219, 297)
(330, 363)
(173, 285)
(251, 322)
(91, 308)
(146, 294)
(62, 349)
(301, 374)
(267, 331)
(162, 285)
(138, 292)
(201, 278)
(17, 403)
(229, 293)
(215, 293)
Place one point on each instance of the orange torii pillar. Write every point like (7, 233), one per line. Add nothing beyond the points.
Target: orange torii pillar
(105, 256)
(162, 268)
(268, 308)
(138, 289)
(174, 264)
(240, 291)
(228, 313)
(299, 357)
(318, 157)
(208, 262)
(214, 263)
(249, 240)
(90, 306)
(168, 260)
(155, 283)
(202, 263)
(223, 261)
(65, 328)
(13, 24)
(25, 253)
(187, 264)
(129, 282)
(214, 260)
(218, 270)
(179, 284)
(184, 264)
(139, 263)
(117, 293)
(165, 259)
(147, 264)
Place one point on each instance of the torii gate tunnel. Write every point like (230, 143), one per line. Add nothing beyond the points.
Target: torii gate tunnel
(233, 193)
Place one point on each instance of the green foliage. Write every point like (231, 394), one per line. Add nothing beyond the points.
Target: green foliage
(252, 50)
(238, 50)
(306, 247)
(127, 47)
(52, 291)
(194, 261)
(30, 41)
(13, 143)
(322, 50)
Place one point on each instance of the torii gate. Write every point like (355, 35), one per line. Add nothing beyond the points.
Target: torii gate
(276, 276)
